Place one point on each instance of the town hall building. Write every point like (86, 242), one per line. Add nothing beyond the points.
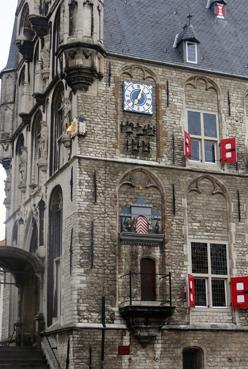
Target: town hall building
(124, 136)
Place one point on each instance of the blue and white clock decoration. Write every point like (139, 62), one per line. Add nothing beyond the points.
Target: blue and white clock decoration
(137, 97)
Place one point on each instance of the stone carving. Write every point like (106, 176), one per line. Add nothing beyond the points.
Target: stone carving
(6, 163)
(67, 112)
(82, 66)
(138, 137)
(139, 73)
(42, 142)
(45, 61)
(22, 166)
(195, 81)
(216, 188)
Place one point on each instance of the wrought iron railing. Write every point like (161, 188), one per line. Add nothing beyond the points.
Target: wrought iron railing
(134, 289)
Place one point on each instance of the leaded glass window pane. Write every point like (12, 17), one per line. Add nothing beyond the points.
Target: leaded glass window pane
(210, 149)
(199, 254)
(200, 292)
(218, 259)
(194, 123)
(210, 127)
(192, 52)
(195, 150)
(218, 292)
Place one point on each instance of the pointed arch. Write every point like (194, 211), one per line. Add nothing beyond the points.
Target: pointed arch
(54, 255)
(141, 203)
(25, 29)
(57, 126)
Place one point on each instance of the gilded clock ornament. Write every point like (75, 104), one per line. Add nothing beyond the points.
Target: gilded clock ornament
(137, 97)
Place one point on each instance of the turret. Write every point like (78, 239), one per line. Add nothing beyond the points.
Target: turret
(81, 46)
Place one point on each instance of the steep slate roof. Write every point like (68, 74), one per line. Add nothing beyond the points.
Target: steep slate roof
(146, 29)
(11, 63)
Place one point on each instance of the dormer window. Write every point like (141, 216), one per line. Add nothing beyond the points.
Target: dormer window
(218, 8)
(187, 43)
(191, 52)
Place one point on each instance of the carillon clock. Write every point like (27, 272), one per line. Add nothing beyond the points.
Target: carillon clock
(137, 97)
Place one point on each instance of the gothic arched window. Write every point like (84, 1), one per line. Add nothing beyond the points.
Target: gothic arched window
(54, 255)
(25, 29)
(36, 70)
(56, 128)
(192, 358)
(15, 235)
(34, 237)
(21, 83)
(56, 42)
(36, 138)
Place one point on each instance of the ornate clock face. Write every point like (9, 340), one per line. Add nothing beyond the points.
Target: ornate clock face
(137, 97)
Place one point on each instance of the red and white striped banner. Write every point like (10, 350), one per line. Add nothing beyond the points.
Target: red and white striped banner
(142, 225)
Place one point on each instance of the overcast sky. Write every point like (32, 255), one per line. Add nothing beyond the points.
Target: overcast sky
(6, 24)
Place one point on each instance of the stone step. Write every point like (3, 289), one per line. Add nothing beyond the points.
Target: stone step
(21, 358)
(23, 366)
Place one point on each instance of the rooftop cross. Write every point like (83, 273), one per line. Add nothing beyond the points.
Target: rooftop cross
(189, 17)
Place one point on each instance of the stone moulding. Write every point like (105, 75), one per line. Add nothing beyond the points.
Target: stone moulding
(39, 98)
(83, 64)
(151, 239)
(146, 321)
(26, 48)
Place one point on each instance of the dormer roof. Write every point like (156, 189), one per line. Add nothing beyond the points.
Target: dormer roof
(188, 34)
(212, 2)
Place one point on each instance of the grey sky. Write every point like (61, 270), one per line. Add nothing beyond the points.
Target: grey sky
(6, 24)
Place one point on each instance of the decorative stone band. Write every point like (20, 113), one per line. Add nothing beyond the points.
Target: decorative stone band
(150, 239)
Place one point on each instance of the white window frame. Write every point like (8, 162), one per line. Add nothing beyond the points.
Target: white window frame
(195, 61)
(209, 276)
(202, 139)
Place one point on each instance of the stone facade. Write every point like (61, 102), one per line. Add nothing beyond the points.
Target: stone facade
(101, 177)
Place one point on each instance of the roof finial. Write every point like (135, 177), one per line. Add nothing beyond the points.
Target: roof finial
(189, 17)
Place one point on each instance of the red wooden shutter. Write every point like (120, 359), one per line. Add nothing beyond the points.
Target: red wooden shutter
(187, 145)
(228, 150)
(191, 291)
(239, 289)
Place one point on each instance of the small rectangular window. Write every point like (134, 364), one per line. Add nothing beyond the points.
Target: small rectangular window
(191, 52)
(203, 131)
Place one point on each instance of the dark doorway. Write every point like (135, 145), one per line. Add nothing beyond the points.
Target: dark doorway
(148, 279)
(192, 358)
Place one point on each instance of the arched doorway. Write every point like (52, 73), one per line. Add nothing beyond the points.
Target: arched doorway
(26, 269)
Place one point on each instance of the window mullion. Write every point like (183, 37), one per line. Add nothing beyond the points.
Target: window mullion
(202, 139)
(210, 302)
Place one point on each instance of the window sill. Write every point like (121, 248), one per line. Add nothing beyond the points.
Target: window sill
(211, 309)
(203, 165)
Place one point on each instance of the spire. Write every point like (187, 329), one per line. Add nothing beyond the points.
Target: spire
(11, 63)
